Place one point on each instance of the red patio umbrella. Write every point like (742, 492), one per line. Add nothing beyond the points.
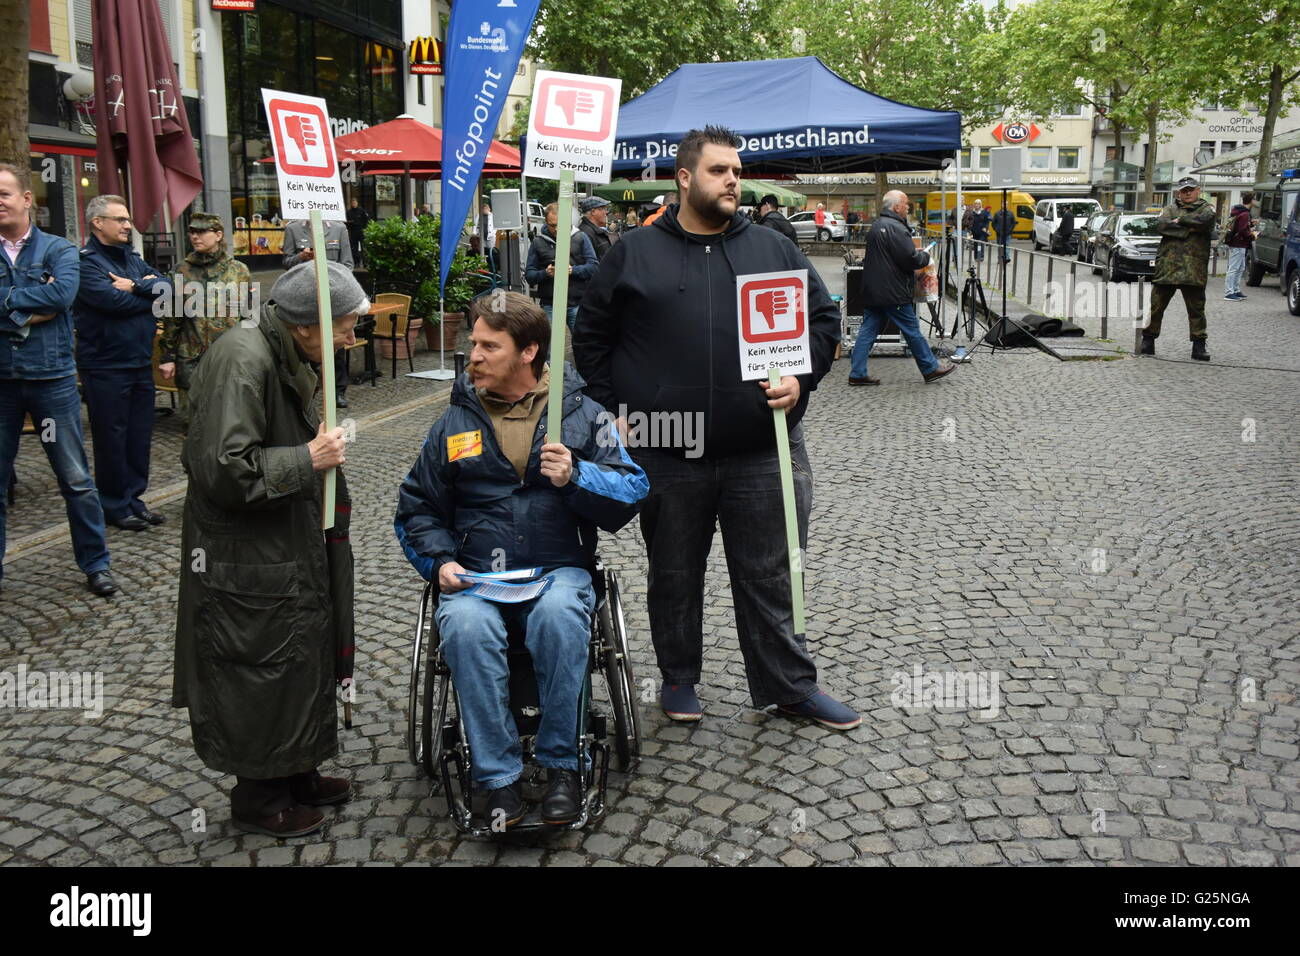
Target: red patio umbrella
(388, 146)
(142, 126)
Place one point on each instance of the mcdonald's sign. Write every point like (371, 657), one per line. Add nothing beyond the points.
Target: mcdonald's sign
(381, 59)
(426, 56)
(628, 195)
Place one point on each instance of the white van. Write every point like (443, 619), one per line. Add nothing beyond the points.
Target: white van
(1047, 217)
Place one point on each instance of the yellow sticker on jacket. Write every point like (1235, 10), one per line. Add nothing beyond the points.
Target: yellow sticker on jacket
(464, 445)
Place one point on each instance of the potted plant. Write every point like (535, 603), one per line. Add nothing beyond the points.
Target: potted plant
(403, 257)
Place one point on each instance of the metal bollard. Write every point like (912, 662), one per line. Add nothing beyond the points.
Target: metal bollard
(460, 364)
(1105, 308)
(1029, 290)
(1048, 284)
(1140, 320)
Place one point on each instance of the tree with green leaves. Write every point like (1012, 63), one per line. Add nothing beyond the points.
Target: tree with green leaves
(1144, 64)
(1262, 53)
(641, 43)
(920, 52)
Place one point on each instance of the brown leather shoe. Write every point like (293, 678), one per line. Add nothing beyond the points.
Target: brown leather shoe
(863, 381)
(941, 372)
(318, 791)
(293, 821)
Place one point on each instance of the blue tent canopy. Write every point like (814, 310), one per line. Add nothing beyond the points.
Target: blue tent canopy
(794, 115)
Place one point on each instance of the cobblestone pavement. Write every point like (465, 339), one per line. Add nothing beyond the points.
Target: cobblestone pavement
(1116, 543)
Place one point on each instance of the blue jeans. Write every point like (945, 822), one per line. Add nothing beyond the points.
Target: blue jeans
(54, 405)
(1236, 269)
(903, 316)
(120, 404)
(557, 628)
(570, 315)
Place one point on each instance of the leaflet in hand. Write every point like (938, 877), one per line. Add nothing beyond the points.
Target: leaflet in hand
(522, 574)
(503, 592)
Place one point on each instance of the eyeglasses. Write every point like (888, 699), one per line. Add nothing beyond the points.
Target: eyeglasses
(199, 230)
(121, 220)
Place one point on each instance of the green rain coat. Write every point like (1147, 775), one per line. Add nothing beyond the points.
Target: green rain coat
(1184, 254)
(257, 616)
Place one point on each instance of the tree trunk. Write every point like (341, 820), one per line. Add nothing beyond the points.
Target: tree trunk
(1153, 147)
(1270, 120)
(1117, 130)
(882, 187)
(14, 143)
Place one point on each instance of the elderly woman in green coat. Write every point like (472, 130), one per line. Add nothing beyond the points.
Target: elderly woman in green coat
(263, 595)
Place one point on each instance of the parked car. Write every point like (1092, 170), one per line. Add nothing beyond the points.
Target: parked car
(1047, 219)
(536, 218)
(1277, 204)
(805, 226)
(1088, 235)
(1125, 247)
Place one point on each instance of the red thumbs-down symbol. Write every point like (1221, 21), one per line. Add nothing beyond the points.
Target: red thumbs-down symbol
(771, 310)
(303, 133)
(573, 102)
(772, 304)
(304, 125)
(574, 99)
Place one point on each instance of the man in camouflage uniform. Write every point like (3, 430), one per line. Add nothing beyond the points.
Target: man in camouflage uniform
(1182, 263)
(226, 286)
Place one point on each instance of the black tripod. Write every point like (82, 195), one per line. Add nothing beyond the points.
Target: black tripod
(999, 330)
(971, 293)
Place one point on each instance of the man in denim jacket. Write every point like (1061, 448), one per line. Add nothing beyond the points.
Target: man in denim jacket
(39, 277)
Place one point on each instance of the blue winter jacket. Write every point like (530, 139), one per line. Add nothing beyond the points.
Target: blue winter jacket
(474, 509)
(43, 350)
(115, 329)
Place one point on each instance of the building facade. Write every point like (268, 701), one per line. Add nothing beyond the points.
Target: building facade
(61, 119)
(1118, 172)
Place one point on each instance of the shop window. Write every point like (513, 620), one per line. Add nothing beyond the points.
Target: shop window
(1040, 157)
(1067, 157)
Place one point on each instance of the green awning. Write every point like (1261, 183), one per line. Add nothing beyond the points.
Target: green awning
(644, 190)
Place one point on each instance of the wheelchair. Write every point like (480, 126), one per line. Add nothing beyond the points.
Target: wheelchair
(436, 739)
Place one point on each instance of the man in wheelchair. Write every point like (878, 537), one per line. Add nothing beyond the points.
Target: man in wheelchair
(487, 493)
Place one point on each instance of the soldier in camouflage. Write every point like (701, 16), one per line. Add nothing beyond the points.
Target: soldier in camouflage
(226, 286)
(1182, 263)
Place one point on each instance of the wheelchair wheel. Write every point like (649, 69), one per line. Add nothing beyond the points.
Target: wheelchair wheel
(437, 679)
(621, 681)
(423, 629)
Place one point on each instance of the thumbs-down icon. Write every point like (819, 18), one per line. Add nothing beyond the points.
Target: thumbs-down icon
(575, 109)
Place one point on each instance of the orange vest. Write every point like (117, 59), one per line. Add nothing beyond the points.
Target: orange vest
(653, 216)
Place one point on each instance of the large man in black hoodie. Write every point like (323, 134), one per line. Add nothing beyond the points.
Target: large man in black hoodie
(657, 341)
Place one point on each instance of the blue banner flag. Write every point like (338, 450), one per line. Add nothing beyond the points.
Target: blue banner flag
(484, 42)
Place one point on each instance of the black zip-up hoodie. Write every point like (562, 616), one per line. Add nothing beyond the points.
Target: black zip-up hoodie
(657, 330)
